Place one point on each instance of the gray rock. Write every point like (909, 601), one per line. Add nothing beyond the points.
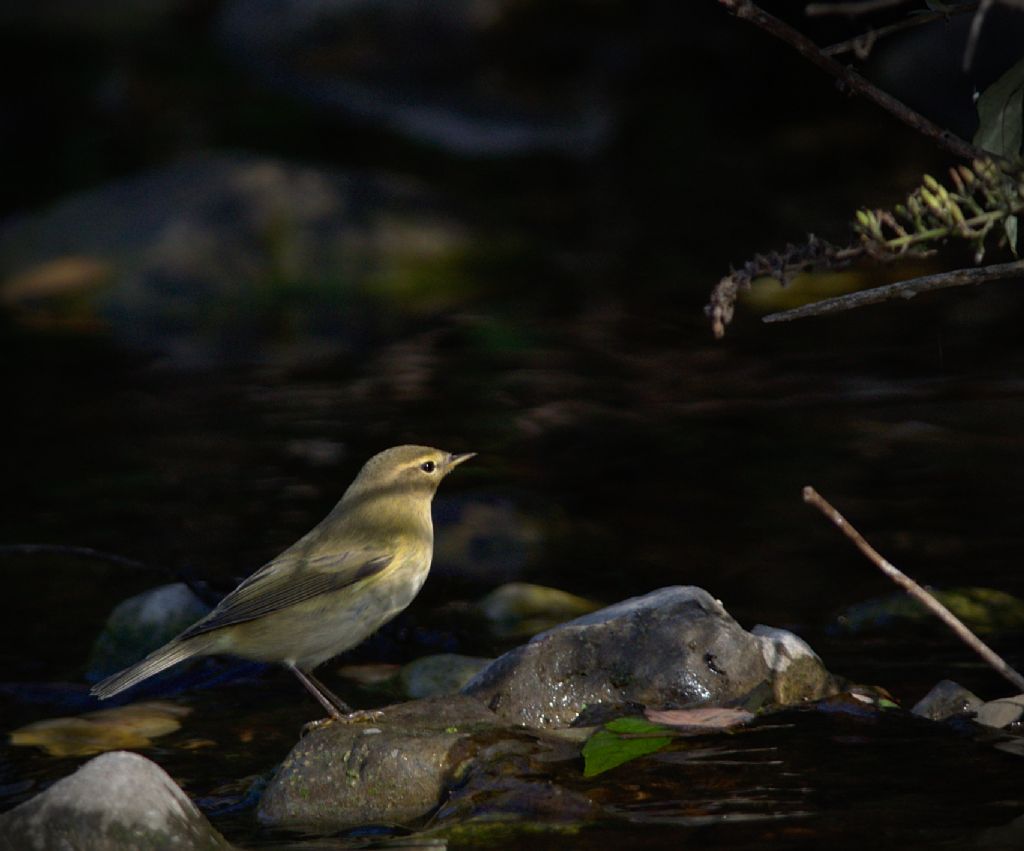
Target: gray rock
(391, 770)
(1002, 712)
(142, 623)
(945, 700)
(673, 647)
(798, 673)
(119, 801)
(440, 674)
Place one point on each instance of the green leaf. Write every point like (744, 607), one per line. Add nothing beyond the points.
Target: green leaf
(636, 727)
(1001, 114)
(1010, 226)
(620, 741)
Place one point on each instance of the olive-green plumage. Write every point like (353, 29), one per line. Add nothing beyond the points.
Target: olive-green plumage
(357, 569)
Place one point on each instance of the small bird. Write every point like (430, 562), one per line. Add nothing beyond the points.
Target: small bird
(357, 569)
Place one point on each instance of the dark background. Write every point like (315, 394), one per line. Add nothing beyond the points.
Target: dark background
(242, 249)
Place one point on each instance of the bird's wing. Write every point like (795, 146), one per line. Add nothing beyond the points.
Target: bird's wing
(283, 583)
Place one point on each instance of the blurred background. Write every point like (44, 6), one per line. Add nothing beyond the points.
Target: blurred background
(246, 244)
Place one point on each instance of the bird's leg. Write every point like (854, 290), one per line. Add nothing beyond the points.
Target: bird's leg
(335, 706)
(338, 709)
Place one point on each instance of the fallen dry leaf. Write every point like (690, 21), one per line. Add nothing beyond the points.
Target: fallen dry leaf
(704, 718)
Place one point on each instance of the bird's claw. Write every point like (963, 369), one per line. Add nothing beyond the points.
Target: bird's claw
(360, 716)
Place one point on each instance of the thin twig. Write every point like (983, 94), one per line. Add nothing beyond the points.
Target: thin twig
(197, 588)
(853, 8)
(862, 44)
(851, 80)
(901, 290)
(972, 37)
(74, 552)
(812, 497)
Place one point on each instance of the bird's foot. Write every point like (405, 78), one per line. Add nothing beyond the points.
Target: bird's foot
(358, 717)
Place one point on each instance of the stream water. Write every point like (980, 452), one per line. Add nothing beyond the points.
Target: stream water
(640, 483)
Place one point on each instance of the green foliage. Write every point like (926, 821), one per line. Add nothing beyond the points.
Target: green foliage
(622, 740)
(1001, 115)
(978, 199)
(1001, 127)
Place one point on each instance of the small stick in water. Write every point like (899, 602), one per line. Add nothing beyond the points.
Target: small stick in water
(812, 497)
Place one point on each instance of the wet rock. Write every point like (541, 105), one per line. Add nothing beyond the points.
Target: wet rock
(674, 647)
(798, 674)
(671, 648)
(946, 700)
(521, 610)
(142, 623)
(442, 673)
(949, 700)
(116, 802)
(393, 770)
(510, 780)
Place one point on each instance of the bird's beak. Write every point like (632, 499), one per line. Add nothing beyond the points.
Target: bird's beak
(456, 458)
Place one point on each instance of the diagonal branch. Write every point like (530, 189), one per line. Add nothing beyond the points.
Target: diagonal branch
(812, 497)
(850, 80)
(903, 289)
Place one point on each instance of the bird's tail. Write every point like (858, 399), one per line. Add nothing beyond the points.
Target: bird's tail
(170, 654)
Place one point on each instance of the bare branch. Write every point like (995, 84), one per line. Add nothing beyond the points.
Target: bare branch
(901, 290)
(850, 80)
(861, 45)
(853, 8)
(960, 629)
(74, 552)
(972, 37)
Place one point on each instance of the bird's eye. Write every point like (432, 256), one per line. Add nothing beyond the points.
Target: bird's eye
(428, 466)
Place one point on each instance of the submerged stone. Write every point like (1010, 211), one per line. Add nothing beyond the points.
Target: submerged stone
(442, 673)
(522, 609)
(984, 610)
(141, 624)
(132, 726)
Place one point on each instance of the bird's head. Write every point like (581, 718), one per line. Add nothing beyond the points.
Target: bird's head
(404, 472)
